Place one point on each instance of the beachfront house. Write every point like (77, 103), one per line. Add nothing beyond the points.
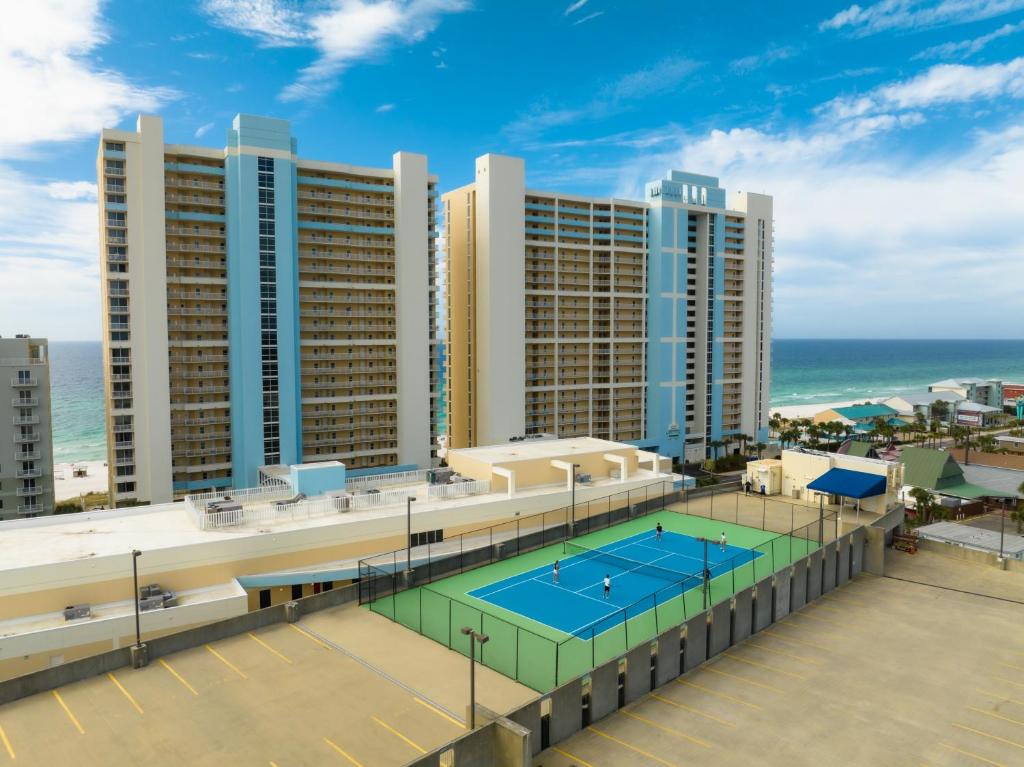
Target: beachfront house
(909, 405)
(938, 472)
(975, 414)
(856, 415)
(977, 390)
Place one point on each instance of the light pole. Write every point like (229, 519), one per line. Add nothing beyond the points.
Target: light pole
(706, 575)
(1002, 529)
(573, 472)
(135, 580)
(408, 532)
(474, 638)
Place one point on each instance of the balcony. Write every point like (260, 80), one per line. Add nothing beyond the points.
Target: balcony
(29, 473)
(24, 401)
(200, 389)
(19, 438)
(29, 492)
(31, 509)
(25, 420)
(123, 428)
(20, 382)
(27, 455)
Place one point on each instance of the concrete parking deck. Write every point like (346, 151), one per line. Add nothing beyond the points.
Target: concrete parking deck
(287, 695)
(880, 672)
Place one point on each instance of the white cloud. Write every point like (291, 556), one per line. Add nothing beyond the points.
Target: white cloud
(966, 48)
(272, 22)
(588, 17)
(385, 108)
(575, 6)
(770, 56)
(940, 85)
(203, 129)
(71, 190)
(914, 14)
(342, 32)
(50, 81)
(49, 245)
(662, 77)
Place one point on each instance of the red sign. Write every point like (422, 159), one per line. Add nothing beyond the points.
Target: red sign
(1012, 391)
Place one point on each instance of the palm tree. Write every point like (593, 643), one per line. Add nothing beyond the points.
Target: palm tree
(760, 447)
(775, 423)
(727, 439)
(743, 440)
(924, 504)
(716, 444)
(789, 435)
(1017, 515)
(813, 435)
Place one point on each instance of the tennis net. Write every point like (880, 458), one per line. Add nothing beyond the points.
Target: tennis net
(626, 564)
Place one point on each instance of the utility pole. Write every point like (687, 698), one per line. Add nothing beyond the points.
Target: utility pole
(138, 652)
(475, 637)
(706, 575)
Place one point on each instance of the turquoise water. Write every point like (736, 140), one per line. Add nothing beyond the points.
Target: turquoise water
(803, 372)
(810, 371)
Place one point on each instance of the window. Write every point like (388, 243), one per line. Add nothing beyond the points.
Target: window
(430, 536)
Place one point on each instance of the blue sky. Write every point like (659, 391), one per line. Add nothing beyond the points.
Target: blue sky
(890, 133)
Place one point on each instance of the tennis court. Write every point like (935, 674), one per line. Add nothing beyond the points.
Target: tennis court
(638, 566)
(543, 634)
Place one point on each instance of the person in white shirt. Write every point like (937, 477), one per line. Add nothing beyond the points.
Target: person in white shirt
(722, 540)
(607, 586)
(554, 573)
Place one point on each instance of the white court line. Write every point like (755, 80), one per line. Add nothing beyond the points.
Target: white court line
(547, 569)
(570, 591)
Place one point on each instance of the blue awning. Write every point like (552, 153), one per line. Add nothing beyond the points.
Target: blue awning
(850, 484)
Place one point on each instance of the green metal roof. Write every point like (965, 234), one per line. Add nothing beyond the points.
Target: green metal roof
(937, 470)
(858, 448)
(855, 412)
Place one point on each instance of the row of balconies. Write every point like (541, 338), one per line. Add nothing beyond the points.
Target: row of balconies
(195, 199)
(337, 212)
(194, 231)
(180, 182)
(196, 311)
(25, 420)
(384, 242)
(306, 193)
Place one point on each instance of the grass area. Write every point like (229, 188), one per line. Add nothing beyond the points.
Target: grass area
(541, 656)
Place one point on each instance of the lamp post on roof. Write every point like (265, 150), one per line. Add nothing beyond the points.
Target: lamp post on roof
(475, 637)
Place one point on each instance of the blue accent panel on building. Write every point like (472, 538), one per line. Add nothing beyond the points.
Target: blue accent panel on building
(203, 484)
(340, 184)
(187, 167)
(115, 206)
(532, 230)
(346, 228)
(718, 311)
(374, 471)
(185, 215)
(262, 133)
(626, 214)
(288, 348)
(246, 369)
(539, 206)
(318, 479)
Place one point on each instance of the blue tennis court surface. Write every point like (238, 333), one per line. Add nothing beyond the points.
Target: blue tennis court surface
(639, 566)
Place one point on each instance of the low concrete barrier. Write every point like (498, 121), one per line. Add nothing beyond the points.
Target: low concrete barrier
(763, 603)
(814, 561)
(669, 657)
(604, 691)
(638, 672)
(695, 651)
(798, 585)
(742, 615)
(828, 568)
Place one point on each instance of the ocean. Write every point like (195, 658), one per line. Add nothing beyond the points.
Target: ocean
(803, 372)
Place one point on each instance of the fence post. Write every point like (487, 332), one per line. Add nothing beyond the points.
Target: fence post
(737, 499)
(517, 537)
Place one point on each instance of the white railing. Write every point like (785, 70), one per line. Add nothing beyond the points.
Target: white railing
(385, 480)
(458, 489)
(263, 493)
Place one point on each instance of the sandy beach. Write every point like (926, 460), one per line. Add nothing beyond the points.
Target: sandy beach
(71, 486)
(809, 411)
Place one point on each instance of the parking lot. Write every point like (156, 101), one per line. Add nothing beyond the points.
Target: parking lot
(280, 696)
(880, 672)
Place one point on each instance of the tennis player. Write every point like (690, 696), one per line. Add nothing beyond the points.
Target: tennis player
(607, 586)
(657, 532)
(722, 540)
(554, 573)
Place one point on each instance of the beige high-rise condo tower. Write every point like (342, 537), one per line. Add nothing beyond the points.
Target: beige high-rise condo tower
(646, 322)
(26, 437)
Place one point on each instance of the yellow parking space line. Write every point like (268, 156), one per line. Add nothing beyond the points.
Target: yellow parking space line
(631, 747)
(783, 653)
(393, 731)
(273, 764)
(994, 715)
(178, 676)
(988, 735)
(1008, 681)
(669, 730)
(972, 755)
(127, 694)
(1010, 665)
(226, 662)
(63, 705)
(718, 694)
(792, 640)
(691, 709)
(999, 696)
(339, 749)
(765, 666)
(7, 744)
(744, 679)
(268, 647)
(571, 757)
(310, 636)
(440, 713)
